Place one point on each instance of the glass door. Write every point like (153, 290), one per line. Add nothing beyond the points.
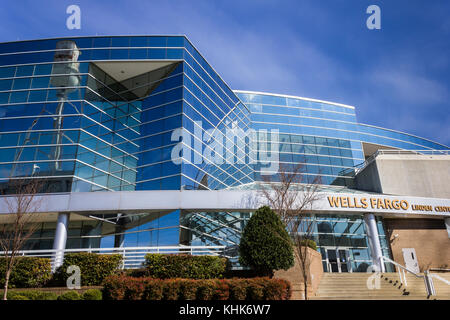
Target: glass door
(337, 260)
(332, 261)
(344, 265)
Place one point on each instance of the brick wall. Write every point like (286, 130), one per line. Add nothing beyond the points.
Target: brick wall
(428, 237)
(295, 276)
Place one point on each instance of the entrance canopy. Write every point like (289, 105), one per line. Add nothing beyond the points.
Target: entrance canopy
(88, 203)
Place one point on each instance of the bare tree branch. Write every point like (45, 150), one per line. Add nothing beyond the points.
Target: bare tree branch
(293, 199)
(21, 225)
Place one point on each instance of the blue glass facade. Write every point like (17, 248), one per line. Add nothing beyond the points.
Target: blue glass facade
(137, 112)
(115, 135)
(324, 137)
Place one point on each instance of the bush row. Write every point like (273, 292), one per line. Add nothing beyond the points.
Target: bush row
(94, 267)
(28, 272)
(165, 266)
(91, 294)
(122, 287)
(34, 272)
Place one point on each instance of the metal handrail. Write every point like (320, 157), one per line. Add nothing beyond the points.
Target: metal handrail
(402, 274)
(432, 152)
(401, 267)
(439, 269)
(439, 278)
(427, 276)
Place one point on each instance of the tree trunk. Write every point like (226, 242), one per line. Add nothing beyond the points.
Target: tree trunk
(5, 288)
(305, 286)
(305, 269)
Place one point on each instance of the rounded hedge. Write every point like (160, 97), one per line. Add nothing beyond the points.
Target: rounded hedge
(70, 295)
(94, 267)
(166, 266)
(28, 272)
(122, 287)
(92, 294)
(32, 295)
(265, 244)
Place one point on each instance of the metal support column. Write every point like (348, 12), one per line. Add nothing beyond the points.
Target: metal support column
(59, 243)
(447, 225)
(374, 241)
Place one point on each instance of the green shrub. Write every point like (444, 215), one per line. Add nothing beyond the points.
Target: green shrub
(114, 287)
(171, 289)
(28, 272)
(206, 290)
(137, 273)
(188, 289)
(165, 266)
(70, 295)
(265, 244)
(273, 290)
(238, 289)
(124, 287)
(19, 297)
(222, 290)
(92, 294)
(134, 289)
(47, 296)
(309, 243)
(40, 295)
(153, 289)
(11, 294)
(94, 267)
(33, 295)
(255, 290)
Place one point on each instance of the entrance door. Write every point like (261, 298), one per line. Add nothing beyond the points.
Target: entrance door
(337, 260)
(333, 265)
(343, 260)
(410, 257)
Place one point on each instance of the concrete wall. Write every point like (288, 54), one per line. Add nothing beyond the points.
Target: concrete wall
(368, 179)
(428, 237)
(407, 174)
(295, 276)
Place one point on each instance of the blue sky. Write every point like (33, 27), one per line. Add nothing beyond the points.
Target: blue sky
(396, 77)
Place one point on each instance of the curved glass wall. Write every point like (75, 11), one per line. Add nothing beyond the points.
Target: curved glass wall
(311, 133)
(108, 123)
(323, 137)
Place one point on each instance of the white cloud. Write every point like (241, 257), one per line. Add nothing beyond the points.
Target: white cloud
(409, 87)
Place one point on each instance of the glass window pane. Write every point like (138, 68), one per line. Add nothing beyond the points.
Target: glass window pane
(7, 72)
(23, 71)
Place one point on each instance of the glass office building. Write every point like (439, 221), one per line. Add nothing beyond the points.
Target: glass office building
(134, 113)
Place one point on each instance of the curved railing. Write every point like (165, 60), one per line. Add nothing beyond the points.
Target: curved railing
(427, 276)
(133, 257)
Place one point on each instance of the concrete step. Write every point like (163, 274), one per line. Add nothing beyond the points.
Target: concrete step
(343, 286)
(378, 298)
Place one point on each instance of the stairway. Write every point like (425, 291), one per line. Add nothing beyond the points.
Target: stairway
(353, 286)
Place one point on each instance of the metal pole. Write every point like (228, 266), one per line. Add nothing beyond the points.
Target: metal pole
(404, 278)
(429, 285)
(374, 241)
(59, 243)
(447, 225)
